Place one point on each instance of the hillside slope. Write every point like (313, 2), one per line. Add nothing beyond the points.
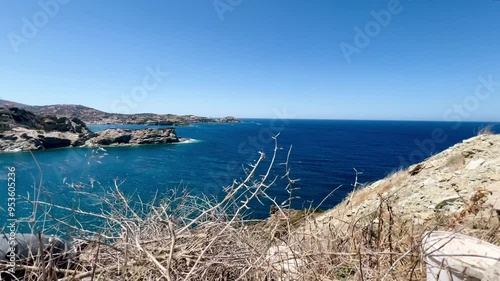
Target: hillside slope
(10, 103)
(377, 231)
(444, 183)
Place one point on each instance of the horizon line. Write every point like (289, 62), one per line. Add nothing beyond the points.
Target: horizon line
(270, 118)
(383, 120)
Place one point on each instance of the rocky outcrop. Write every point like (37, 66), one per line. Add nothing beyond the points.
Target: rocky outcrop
(18, 117)
(121, 137)
(228, 119)
(64, 124)
(23, 130)
(22, 139)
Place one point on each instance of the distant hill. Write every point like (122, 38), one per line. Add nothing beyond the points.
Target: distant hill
(87, 114)
(11, 103)
(93, 116)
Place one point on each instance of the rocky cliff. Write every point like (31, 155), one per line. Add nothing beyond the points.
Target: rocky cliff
(18, 117)
(21, 130)
(133, 137)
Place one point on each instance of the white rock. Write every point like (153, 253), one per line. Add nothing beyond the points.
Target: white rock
(474, 164)
(375, 184)
(495, 177)
(285, 264)
(452, 200)
(430, 182)
(494, 198)
(494, 164)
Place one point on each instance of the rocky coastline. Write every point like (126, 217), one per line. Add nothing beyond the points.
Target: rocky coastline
(22, 130)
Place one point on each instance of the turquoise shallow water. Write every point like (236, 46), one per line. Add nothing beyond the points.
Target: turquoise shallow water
(323, 157)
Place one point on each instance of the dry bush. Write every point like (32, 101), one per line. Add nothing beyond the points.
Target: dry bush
(178, 237)
(185, 237)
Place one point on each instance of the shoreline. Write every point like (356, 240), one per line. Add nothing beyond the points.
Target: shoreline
(181, 141)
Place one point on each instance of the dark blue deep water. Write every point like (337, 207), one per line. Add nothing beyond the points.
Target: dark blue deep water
(323, 157)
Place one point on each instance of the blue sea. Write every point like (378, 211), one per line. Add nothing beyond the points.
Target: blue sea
(325, 154)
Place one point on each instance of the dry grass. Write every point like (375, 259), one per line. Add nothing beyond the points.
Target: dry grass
(373, 190)
(487, 130)
(183, 237)
(382, 245)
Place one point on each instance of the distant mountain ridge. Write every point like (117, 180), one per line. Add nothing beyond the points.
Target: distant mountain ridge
(11, 103)
(93, 116)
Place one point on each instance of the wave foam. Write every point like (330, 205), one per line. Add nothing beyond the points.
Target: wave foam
(186, 140)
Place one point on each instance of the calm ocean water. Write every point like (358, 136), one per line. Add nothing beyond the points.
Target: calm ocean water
(324, 156)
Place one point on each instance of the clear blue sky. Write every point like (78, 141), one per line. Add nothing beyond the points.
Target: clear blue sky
(258, 57)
